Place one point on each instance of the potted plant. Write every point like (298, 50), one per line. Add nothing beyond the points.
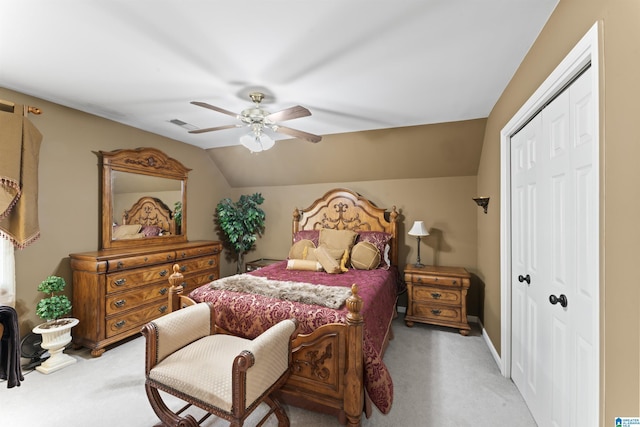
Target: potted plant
(241, 222)
(56, 331)
(177, 216)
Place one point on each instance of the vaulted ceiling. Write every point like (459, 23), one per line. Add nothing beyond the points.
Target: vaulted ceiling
(359, 65)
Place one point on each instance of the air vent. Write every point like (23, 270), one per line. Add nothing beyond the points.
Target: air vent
(182, 124)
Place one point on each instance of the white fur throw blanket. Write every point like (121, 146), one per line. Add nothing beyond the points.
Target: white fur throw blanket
(307, 293)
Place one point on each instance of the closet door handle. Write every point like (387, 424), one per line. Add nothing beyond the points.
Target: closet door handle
(562, 299)
(526, 278)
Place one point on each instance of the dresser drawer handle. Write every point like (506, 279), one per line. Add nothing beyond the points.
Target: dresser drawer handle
(120, 303)
(436, 312)
(183, 255)
(211, 262)
(183, 268)
(120, 264)
(212, 276)
(419, 280)
(120, 282)
(163, 291)
(169, 257)
(435, 295)
(455, 282)
(184, 284)
(120, 324)
(163, 273)
(162, 309)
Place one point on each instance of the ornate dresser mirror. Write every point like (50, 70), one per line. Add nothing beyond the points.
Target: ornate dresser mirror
(144, 198)
(124, 284)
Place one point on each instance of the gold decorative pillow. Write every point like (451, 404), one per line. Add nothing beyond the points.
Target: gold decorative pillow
(300, 248)
(337, 239)
(336, 254)
(304, 264)
(365, 256)
(329, 263)
(126, 231)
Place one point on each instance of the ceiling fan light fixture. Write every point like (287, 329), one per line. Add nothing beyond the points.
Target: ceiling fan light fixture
(257, 142)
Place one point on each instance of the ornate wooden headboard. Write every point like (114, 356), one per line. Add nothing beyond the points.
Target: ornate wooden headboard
(343, 209)
(150, 211)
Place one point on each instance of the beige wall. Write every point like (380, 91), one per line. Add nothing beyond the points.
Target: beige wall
(68, 192)
(620, 175)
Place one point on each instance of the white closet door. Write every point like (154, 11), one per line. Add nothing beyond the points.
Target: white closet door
(554, 195)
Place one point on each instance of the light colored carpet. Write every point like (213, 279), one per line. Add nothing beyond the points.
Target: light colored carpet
(440, 378)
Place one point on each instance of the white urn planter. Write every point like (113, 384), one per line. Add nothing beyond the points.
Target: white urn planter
(56, 334)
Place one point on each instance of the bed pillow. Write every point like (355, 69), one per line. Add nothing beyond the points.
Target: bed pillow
(365, 256)
(329, 263)
(126, 231)
(301, 249)
(337, 239)
(304, 264)
(312, 235)
(151, 230)
(380, 240)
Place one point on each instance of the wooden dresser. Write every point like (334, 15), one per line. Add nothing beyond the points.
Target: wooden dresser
(117, 291)
(437, 295)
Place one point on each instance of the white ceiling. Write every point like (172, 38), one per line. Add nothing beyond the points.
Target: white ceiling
(356, 64)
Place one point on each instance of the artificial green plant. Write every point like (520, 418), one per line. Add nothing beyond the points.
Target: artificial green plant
(242, 222)
(54, 306)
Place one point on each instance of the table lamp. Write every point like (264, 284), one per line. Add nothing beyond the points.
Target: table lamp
(418, 230)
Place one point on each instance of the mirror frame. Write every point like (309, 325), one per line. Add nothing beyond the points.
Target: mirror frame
(144, 161)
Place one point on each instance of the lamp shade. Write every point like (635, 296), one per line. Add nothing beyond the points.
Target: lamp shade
(257, 143)
(418, 229)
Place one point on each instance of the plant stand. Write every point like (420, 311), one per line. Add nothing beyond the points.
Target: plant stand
(54, 339)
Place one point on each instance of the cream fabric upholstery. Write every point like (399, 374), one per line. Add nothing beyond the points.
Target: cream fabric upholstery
(203, 369)
(182, 327)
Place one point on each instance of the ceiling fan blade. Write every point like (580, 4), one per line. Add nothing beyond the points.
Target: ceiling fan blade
(215, 128)
(288, 114)
(297, 133)
(214, 108)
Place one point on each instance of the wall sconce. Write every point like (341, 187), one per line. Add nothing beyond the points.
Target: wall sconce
(483, 202)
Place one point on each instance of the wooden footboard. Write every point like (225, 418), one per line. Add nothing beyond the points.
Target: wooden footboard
(328, 371)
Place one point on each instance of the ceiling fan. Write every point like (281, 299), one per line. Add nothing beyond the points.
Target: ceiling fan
(258, 119)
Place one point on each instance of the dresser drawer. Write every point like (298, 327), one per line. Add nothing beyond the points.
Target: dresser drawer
(437, 312)
(199, 251)
(436, 295)
(121, 324)
(423, 279)
(198, 264)
(117, 282)
(124, 263)
(124, 301)
(191, 282)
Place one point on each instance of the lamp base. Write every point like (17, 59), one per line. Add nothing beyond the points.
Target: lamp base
(418, 265)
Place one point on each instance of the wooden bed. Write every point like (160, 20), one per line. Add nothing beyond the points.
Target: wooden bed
(329, 367)
(150, 212)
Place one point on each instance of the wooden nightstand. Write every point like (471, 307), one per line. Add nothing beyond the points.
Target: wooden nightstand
(437, 295)
(259, 263)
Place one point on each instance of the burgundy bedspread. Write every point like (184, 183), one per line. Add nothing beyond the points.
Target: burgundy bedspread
(249, 315)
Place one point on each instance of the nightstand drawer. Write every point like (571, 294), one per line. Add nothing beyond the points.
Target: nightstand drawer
(429, 311)
(423, 279)
(441, 296)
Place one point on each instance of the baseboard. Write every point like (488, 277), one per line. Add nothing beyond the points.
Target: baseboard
(492, 349)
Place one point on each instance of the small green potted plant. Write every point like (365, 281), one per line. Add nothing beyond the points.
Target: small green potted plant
(55, 306)
(241, 222)
(56, 331)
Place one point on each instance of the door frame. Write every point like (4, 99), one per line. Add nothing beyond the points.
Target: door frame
(585, 52)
